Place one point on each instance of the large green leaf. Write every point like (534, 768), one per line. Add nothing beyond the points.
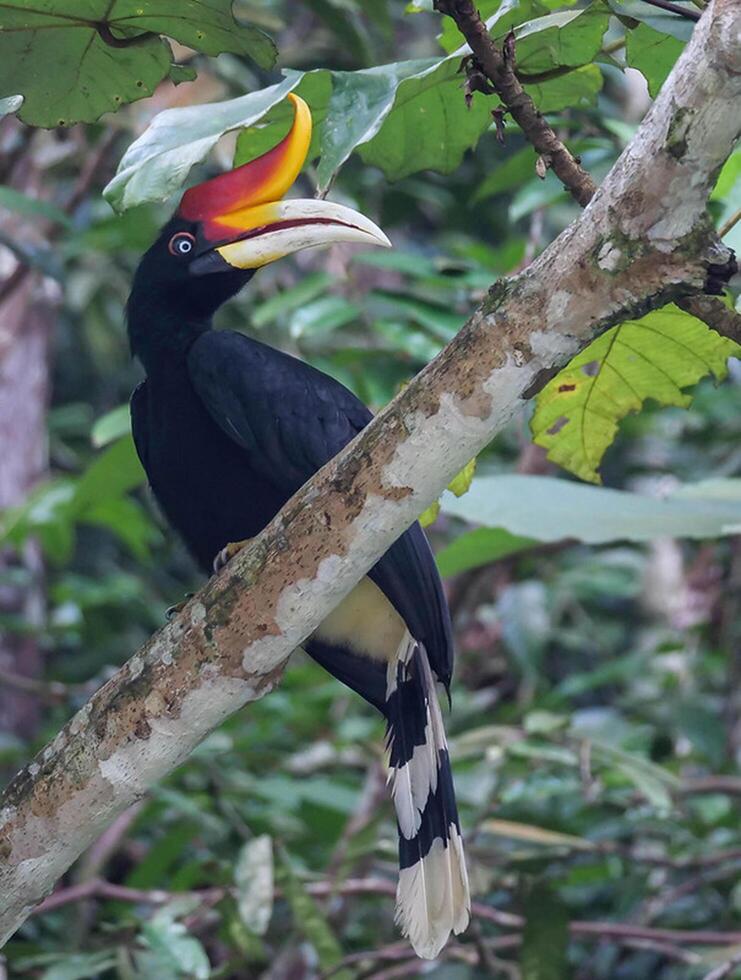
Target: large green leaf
(568, 38)
(98, 55)
(402, 117)
(158, 162)
(548, 509)
(578, 412)
(653, 54)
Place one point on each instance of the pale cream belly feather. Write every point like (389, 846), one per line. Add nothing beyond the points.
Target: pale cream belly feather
(365, 622)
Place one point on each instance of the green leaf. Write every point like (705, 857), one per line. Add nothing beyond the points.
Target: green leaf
(461, 483)
(111, 426)
(660, 20)
(173, 951)
(513, 830)
(480, 547)
(545, 936)
(32, 207)
(578, 412)
(253, 877)
(85, 73)
(567, 38)
(548, 509)
(112, 473)
(654, 782)
(429, 126)
(512, 172)
(458, 486)
(125, 518)
(653, 54)
(579, 87)
(158, 162)
(287, 300)
(81, 966)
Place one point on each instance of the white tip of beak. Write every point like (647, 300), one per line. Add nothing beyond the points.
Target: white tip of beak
(295, 225)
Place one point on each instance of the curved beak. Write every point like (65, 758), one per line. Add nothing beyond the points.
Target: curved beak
(244, 224)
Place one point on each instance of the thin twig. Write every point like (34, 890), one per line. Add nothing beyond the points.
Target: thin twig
(500, 69)
(725, 969)
(617, 931)
(727, 323)
(731, 223)
(50, 691)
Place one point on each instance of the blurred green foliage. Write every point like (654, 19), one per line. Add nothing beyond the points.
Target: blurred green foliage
(595, 735)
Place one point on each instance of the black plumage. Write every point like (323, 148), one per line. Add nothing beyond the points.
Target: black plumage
(227, 429)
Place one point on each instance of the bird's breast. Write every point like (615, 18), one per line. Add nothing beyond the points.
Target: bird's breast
(206, 484)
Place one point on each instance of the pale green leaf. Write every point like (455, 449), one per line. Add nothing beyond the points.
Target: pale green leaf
(158, 162)
(548, 509)
(578, 412)
(458, 486)
(480, 547)
(653, 54)
(253, 876)
(536, 835)
(111, 426)
(461, 483)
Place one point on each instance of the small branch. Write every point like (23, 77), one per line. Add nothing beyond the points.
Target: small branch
(618, 931)
(674, 8)
(728, 225)
(499, 68)
(711, 784)
(727, 323)
(50, 691)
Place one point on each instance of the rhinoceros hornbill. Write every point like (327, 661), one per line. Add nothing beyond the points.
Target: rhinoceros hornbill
(228, 429)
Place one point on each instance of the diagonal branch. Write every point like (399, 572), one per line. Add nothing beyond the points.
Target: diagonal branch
(645, 239)
(499, 68)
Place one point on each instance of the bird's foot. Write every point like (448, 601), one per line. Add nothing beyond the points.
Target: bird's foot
(172, 611)
(226, 554)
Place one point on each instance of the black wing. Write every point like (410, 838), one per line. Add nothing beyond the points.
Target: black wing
(292, 419)
(138, 408)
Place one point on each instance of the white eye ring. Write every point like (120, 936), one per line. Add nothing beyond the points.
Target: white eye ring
(181, 243)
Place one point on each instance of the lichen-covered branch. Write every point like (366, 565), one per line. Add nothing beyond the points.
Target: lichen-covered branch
(499, 67)
(645, 239)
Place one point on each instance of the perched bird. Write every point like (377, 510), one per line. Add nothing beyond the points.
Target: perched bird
(228, 429)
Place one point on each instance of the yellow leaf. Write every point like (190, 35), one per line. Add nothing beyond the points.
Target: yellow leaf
(578, 412)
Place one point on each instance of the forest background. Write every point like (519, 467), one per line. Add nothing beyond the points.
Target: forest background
(596, 735)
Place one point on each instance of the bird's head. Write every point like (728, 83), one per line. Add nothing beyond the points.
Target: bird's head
(233, 224)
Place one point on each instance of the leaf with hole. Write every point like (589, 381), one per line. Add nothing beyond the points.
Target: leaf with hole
(653, 54)
(578, 412)
(103, 54)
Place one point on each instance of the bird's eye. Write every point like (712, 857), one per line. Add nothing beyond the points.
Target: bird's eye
(181, 244)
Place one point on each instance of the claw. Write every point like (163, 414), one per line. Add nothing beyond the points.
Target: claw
(172, 611)
(226, 554)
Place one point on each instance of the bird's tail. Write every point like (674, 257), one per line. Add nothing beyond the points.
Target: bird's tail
(432, 898)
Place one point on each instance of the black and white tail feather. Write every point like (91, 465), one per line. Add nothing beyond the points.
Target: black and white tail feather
(432, 898)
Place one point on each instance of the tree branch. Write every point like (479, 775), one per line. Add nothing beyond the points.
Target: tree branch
(715, 314)
(499, 68)
(645, 239)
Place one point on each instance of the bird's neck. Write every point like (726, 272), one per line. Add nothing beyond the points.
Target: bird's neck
(160, 337)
